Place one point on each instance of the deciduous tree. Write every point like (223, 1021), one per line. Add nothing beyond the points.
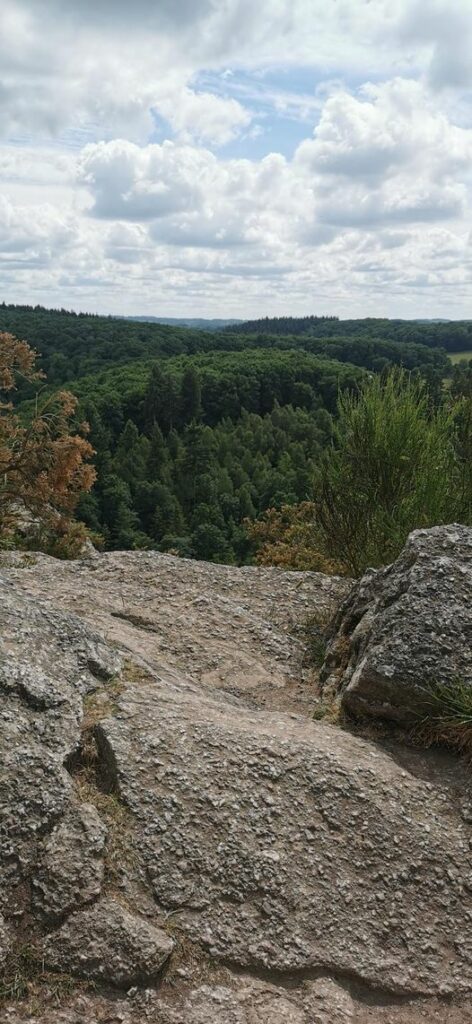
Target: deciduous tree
(44, 466)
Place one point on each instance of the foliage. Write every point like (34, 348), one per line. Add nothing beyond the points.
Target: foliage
(24, 978)
(190, 447)
(74, 345)
(394, 465)
(189, 491)
(289, 538)
(454, 336)
(43, 467)
(196, 431)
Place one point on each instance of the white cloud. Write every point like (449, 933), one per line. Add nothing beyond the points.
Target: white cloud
(39, 238)
(107, 64)
(133, 183)
(387, 127)
(204, 117)
(445, 28)
(372, 211)
(385, 158)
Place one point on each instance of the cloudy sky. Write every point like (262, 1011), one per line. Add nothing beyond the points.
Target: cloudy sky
(237, 157)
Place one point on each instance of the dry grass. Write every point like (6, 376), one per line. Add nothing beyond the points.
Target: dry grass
(445, 720)
(329, 710)
(121, 854)
(25, 980)
(135, 674)
(102, 703)
(190, 963)
(314, 632)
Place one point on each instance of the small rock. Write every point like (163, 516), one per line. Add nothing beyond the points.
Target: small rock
(107, 943)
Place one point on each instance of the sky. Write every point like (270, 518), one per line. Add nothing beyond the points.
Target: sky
(237, 158)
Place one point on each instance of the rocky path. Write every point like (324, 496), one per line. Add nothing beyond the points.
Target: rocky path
(227, 628)
(299, 873)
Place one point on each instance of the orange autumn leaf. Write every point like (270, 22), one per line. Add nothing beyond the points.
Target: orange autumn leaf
(44, 467)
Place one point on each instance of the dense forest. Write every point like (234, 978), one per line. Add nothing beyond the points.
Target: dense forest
(197, 431)
(72, 345)
(190, 448)
(451, 335)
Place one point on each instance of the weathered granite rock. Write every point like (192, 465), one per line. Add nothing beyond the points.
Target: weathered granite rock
(230, 628)
(405, 629)
(339, 873)
(256, 1002)
(48, 662)
(240, 1000)
(70, 865)
(107, 943)
(286, 844)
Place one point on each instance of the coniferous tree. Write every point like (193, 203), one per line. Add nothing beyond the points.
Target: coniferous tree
(154, 397)
(190, 396)
(158, 458)
(132, 453)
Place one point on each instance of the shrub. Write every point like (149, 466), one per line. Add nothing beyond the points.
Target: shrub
(395, 464)
(289, 538)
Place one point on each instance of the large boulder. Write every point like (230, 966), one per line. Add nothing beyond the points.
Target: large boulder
(405, 630)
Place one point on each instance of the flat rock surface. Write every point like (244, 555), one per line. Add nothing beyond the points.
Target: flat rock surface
(286, 844)
(303, 874)
(224, 627)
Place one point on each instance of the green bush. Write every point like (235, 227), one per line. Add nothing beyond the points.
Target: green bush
(396, 463)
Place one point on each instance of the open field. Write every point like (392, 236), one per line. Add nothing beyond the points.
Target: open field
(456, 357)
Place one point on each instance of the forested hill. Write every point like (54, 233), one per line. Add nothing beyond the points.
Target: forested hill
(195, 431)
(454, 336)
(73, 345)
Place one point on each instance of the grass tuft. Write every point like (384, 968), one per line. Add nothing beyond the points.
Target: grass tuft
(448, 716)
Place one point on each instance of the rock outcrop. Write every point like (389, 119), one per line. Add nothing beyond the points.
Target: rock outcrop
(177, 826)
(49, 662)
(405, 630)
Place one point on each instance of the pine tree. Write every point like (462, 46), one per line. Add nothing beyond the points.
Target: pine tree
(131, 456)
(158, 459)
(153, 397)
(190, 396)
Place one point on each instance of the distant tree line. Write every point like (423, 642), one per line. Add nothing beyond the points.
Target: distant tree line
(453, 336)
